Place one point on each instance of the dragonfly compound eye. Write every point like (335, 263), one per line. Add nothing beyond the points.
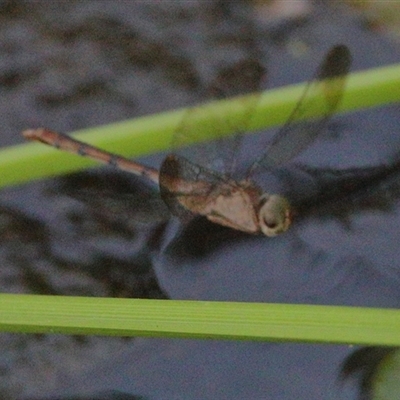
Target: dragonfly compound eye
(274, 215)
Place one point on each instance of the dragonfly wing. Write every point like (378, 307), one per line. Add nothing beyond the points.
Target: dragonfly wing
(341, 193)
(114, 195)
(133, 206)
(183, 182)
(218, 152)
(325, 90)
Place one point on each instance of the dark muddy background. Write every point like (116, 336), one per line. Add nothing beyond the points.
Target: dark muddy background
(75, 64)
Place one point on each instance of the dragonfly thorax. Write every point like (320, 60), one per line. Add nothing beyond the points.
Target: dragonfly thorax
(274, 215)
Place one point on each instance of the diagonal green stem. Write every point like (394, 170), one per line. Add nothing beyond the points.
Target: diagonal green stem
(153, 133)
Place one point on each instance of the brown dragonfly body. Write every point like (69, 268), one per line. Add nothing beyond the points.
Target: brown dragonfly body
(237, 205)
(189, 189)
(232, 204)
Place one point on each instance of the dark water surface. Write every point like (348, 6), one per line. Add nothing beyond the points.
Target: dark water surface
(71, 65)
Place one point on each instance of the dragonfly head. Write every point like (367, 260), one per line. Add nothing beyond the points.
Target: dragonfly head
(274, 214)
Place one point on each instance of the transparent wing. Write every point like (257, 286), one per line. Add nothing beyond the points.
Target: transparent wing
(218, 153)
(115, 195)
(341, 193)
(182, 181)
(138, 207)
(325, 90)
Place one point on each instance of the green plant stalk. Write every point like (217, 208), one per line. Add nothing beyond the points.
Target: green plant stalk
(199, 319)
(154, 133)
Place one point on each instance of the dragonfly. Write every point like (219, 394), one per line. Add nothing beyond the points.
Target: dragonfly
(189, 189)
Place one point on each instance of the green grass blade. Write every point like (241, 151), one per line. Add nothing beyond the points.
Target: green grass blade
(199, 319)
(153, 133)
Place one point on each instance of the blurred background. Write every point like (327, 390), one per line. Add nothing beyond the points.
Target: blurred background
(68, 65)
